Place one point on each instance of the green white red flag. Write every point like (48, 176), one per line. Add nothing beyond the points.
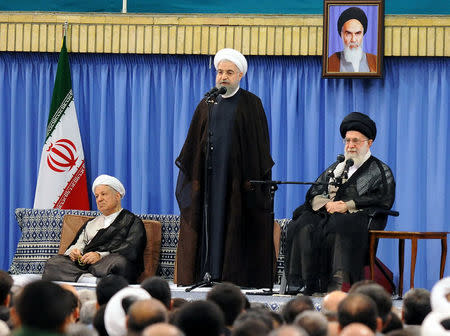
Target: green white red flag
(62, 179)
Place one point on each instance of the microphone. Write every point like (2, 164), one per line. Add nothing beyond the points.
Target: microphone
(215, 93)
(210, 92)
(340, 158)
(348, 164)
(222, 90)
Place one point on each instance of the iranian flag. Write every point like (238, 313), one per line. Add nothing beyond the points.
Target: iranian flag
(62, 174)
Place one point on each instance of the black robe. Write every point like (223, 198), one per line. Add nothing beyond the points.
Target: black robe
(319, 244)
(248, 251)
(125, 237)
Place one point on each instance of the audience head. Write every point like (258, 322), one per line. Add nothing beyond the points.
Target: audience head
(200, 318)
(416, 306)
(330, 304)
(288, 330)
(116, 309)
(108, 286)
(296, 306)
(230, 300)
(314, 323)
(436, 324)
(159, 289)
(360, 283)
(6, 283)
(44, 305)
(80, 329)
(358, 308)
(393, 322)
(357, 329)
(255, 314)
(440, 296)
(143, 313)
(99, 321)
(4, 329)
(380, 296)
(250, 328)
(88, 311)
(75, 302)
(162, 329)
(85, 295)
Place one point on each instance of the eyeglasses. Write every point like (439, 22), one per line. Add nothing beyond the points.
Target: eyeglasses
(355, 141)
(228, 72)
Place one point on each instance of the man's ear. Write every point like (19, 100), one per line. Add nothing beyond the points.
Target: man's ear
(7, 300)
(379, 324)
(15, 318)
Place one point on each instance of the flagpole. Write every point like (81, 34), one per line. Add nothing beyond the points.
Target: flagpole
(66, 25)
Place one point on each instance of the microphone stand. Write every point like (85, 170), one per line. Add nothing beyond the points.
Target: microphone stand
(273, 186)
(210, 98)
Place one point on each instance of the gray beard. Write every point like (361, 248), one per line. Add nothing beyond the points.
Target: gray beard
(353, 56)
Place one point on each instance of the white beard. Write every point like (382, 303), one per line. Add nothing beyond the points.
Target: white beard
(359, 156)
(354, 56)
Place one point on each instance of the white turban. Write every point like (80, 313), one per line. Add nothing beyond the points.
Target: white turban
(432, 326)
(233, 56)
(110, 181)
(115, 315)
(439, 294)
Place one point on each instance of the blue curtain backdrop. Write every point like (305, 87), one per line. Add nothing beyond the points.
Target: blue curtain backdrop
(134, 112)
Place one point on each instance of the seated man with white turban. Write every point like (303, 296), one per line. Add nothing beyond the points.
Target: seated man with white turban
(113, 242)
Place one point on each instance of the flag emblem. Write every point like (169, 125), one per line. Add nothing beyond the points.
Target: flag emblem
(61, 156)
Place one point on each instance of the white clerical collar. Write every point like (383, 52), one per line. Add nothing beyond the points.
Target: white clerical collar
(231, 94)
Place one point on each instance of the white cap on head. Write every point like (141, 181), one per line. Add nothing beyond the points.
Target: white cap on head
(231, 55)
(110, 181)
(115, 315)
(432, 324)
(438, 297)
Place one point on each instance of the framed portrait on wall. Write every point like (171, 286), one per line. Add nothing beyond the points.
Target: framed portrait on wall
(353, 38)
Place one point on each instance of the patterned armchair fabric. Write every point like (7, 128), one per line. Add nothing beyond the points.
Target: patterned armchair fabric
(41, 235)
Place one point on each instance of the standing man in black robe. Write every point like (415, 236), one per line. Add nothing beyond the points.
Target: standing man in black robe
(112, 243)
(327, 239)
(233, 240)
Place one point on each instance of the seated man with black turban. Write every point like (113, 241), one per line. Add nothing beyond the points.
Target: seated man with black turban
(327, 239)
(352, 26)
(112, 243)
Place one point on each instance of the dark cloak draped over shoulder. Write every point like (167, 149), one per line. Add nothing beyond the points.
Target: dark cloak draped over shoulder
(248, 224)
(318, 244)
(125, 236)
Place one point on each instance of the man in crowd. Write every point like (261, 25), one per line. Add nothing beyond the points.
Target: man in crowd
(327, 239)
(226, 227)
(110, 243)
(43, 308)
(6, 283)
(352, 26)
(359, 308)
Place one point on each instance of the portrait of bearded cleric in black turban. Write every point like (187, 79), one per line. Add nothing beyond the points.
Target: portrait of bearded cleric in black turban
(353, 38)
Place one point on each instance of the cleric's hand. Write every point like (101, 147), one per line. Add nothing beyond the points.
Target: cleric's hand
(338, 206)
(74, 254)
(91, 258)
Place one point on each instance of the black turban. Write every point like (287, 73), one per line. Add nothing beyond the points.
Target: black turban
(352, 13)
(360, 122)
